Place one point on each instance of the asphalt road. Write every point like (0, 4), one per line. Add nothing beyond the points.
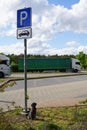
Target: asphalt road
(45, 91)
(32, 83)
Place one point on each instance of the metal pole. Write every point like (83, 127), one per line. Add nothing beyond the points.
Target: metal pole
(25, 72)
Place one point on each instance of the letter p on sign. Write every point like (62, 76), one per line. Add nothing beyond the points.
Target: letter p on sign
(24, 17)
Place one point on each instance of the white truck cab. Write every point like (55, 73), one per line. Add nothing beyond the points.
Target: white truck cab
(4, 66)
(76, 65)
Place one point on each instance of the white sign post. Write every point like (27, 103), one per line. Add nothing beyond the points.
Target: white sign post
(24, 31)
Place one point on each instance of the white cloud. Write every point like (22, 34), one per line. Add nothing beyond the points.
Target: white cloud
(7, 12)
(47, 20)
(72, 43)
(47, 17)
(75, 18)
(41, 48)
(12, 49)
(82, 48)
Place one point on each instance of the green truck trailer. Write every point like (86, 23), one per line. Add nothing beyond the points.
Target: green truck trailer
(50, 64)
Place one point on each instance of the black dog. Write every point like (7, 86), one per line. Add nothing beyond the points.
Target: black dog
(32, 112)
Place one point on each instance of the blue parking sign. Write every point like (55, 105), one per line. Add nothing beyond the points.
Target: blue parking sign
(24, 17)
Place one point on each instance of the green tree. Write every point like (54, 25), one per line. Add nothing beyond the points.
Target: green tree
(83, 59)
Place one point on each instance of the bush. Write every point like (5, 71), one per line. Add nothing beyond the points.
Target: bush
(14, 68)
(4, 123)
(48, 126)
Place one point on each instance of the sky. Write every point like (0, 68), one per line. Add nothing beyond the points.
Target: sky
(58, 27)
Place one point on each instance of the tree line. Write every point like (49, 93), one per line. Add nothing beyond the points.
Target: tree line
(15, 58)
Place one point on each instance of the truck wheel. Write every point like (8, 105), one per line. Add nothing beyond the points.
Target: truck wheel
(1, 75)
(76, 70)
(40, 71)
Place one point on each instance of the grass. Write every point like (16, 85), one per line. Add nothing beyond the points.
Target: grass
(5, 85)
(61, 118)
(2, 80)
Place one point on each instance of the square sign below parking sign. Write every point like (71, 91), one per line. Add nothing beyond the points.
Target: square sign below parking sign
(24, 33)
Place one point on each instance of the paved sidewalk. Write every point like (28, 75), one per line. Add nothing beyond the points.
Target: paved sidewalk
(61, 102)
(67, 94)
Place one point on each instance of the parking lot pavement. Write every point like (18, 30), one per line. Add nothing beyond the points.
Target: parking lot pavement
(54, 95)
